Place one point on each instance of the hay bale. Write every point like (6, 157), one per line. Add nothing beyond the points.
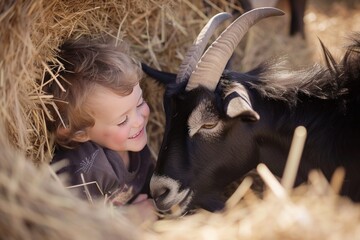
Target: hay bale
(308, 214)
(31, 32)
(33, 206)
(159, 31)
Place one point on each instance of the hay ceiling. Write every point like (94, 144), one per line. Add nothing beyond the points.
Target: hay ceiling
(31, 32)
(34, 207)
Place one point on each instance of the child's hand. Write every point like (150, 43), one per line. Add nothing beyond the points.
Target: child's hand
(142, 210)
(140, 198)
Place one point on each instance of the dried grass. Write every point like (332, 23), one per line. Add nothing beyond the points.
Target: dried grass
(159, 31)
(310, 212)
(33, 206)
(31, 32)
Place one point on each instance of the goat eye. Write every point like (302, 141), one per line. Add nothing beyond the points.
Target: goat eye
(209, 125)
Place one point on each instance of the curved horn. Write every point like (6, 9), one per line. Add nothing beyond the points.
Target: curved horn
(213, 62)
(197, 49)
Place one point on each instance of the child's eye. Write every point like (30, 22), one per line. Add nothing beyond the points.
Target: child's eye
(123, 122)
(142, 102)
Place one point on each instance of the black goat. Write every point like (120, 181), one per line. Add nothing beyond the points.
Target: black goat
(221, 124)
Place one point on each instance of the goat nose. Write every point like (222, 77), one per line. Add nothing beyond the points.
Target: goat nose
(160, 193)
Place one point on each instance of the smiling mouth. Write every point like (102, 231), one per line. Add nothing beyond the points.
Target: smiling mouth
(137, 134)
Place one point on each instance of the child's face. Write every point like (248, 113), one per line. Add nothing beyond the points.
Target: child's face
(120, 121)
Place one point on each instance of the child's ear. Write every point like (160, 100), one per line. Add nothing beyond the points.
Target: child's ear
(80, 136)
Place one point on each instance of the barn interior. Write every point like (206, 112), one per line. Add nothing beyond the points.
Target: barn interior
(36, 205)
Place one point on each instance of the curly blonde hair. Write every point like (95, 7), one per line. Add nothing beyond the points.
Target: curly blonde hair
(87, 63)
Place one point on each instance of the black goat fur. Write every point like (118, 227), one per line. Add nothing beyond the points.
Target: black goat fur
(332, 81)
(324, 99)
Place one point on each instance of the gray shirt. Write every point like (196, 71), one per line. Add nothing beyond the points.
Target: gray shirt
(105, 173)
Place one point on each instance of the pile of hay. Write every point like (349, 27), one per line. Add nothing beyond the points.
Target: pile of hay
(312, 211)
(33, 206)
(159, 31)
(31, 32)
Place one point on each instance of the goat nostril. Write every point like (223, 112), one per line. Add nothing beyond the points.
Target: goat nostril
(160, 194)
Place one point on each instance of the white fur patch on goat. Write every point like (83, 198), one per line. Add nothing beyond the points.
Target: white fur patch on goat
(239, 105)
(174, 196)
(205, 121)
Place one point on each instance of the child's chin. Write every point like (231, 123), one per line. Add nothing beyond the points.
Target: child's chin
(140, 145)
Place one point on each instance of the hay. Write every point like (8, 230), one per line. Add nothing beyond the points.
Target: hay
(160, 31)
(33, 206)
(31, 32)
(312, 211)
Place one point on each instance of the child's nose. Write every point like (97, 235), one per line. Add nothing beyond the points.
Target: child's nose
(139, 119)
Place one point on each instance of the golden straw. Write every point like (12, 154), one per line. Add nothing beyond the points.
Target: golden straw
(271, 181)
(292, 163)
(337, 179)
(239, 192)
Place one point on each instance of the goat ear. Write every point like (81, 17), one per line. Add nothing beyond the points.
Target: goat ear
(160, 76)
(237, 104)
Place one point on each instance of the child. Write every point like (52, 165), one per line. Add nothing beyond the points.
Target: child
(102, 128)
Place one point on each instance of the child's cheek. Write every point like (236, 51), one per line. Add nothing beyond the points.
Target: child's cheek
(122, 135)
(116, 135)
(146, 111)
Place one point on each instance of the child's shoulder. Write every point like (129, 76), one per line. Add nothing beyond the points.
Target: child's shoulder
(145, 153)
(83, 151)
